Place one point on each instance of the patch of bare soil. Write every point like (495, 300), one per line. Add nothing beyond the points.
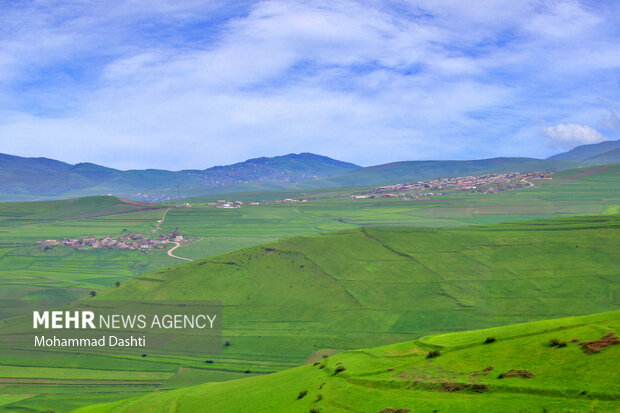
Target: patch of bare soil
(595, 346)
(517, 373)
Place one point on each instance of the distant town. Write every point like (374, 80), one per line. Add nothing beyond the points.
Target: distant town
(483, 184)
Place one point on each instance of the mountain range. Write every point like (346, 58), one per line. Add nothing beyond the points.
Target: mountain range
(42, 178)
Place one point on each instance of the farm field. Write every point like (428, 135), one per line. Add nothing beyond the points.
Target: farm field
(66, 273)
(465, 376)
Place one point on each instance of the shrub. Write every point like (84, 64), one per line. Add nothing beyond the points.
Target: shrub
(322, 366)
(339, 369)
(209, 361)
(517, 373)
(314, 410)
(302, 394)
(433, 353)
(226, 342)
(489, 340)
(117, 284)
(92, 293)
(556, 342)
(319, 397)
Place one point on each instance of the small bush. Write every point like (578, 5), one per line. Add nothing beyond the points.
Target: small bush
(319, 397)
(339, 369)
(322, 366)
(433, 353)
(314, 410)
(517, 373)
(556, 342)
(209, 361)
(325, 356)
(92, 293)
(226, 342)
(117, 284)
(489, 340)
(302, 394)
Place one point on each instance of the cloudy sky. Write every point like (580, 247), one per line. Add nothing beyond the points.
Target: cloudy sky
(191, 84)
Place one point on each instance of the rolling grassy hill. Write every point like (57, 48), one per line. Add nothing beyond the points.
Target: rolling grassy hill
(315, 294)
(286, 301)
(518, 372)
(25, 213)
(370, 286)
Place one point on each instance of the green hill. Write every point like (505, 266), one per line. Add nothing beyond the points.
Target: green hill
(520, 371)
(25, 213)
(378, 285)
(302, 297)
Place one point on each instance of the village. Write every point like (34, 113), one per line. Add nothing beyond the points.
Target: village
(483, 184)
(130, 241)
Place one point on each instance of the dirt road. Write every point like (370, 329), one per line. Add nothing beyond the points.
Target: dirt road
(176, 256)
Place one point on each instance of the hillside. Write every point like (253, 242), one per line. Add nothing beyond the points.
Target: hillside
(585, 152)
(390, 284)
(609, 157)
(27, 213)
(466, 376)
(412, 171)
(49, 178)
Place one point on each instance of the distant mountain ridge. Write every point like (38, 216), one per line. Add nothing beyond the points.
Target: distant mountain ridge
(584, 152)
(50, 178)
(43, 178)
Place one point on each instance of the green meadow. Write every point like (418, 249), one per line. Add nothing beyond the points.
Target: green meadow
(466, 375)
(321, 277)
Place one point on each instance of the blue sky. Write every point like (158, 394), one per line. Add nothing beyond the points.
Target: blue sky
(192, 84)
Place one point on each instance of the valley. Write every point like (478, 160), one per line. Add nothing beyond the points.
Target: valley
(404, 269)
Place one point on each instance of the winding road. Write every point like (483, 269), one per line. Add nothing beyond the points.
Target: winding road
(176, 256)
(178, 244)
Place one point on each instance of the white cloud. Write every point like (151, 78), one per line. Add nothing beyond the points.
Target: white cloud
(186, 85)
(570, 135)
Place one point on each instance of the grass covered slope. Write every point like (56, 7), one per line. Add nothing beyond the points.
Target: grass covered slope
(372, 286)
(14, 214)
(520, 371)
